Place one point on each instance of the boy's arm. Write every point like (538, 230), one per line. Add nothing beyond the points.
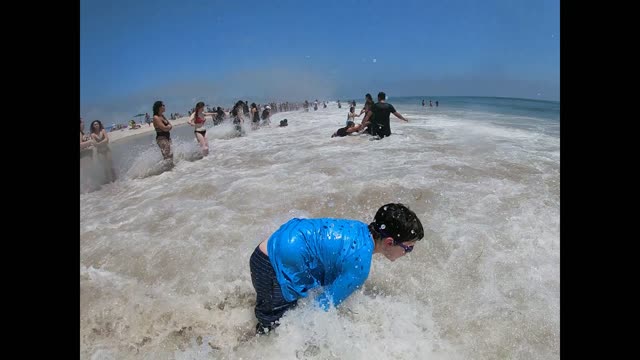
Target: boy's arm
(353, 275)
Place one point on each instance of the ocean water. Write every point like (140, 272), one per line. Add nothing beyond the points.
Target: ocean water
(164, 270)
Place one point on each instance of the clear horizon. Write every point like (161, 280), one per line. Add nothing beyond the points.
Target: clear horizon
(134, 53)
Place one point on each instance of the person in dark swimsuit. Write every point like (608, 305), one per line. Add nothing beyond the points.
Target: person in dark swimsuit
(238, 119)
(220, 118)
(350, 128)
(163, 127)
(266, 116)
(255, 117)
(377, 118)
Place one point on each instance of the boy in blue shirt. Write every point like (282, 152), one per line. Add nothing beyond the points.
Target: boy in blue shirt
(304, 254)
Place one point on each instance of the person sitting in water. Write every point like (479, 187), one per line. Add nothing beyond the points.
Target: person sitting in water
(283, 123)
(350, 128)
(335, 254)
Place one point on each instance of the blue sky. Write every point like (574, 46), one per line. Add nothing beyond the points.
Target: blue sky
(137, 51)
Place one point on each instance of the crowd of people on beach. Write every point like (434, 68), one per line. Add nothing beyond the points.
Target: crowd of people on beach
(95, 156)
(277, 261)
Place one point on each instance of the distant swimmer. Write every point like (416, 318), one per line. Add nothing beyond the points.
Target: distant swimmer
(328, 253)
(266, 116)
(245, 108)
(430, 103)
(422, 102)
(339, 105)
(436, 103)
(255, 116)
(237, 118)
(377, 118)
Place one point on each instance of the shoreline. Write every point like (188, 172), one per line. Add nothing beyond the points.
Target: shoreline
(118, 135)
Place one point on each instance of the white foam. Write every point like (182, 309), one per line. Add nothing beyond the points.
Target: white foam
(163, 252)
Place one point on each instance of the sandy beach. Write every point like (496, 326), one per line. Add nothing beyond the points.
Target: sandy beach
(144, 129)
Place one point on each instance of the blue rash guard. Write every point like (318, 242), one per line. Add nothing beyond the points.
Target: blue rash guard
(333, 253)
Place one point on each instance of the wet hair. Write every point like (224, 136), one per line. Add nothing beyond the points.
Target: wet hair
(237, 108)
(382, 95)
(99, 123)
(396, 221)
(198, 106)
(350, 124)
(253, 105)
(352, 109)
(368, 96)
(156, 107)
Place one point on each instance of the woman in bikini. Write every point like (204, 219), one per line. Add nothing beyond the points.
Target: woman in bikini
(197, 120)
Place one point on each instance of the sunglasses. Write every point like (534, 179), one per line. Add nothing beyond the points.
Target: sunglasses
(407, 249)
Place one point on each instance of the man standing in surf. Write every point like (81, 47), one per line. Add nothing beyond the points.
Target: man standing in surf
(380, 111)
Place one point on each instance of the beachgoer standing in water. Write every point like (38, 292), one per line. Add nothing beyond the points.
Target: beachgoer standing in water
(163, 127)
(377, 118)
(197, 120)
